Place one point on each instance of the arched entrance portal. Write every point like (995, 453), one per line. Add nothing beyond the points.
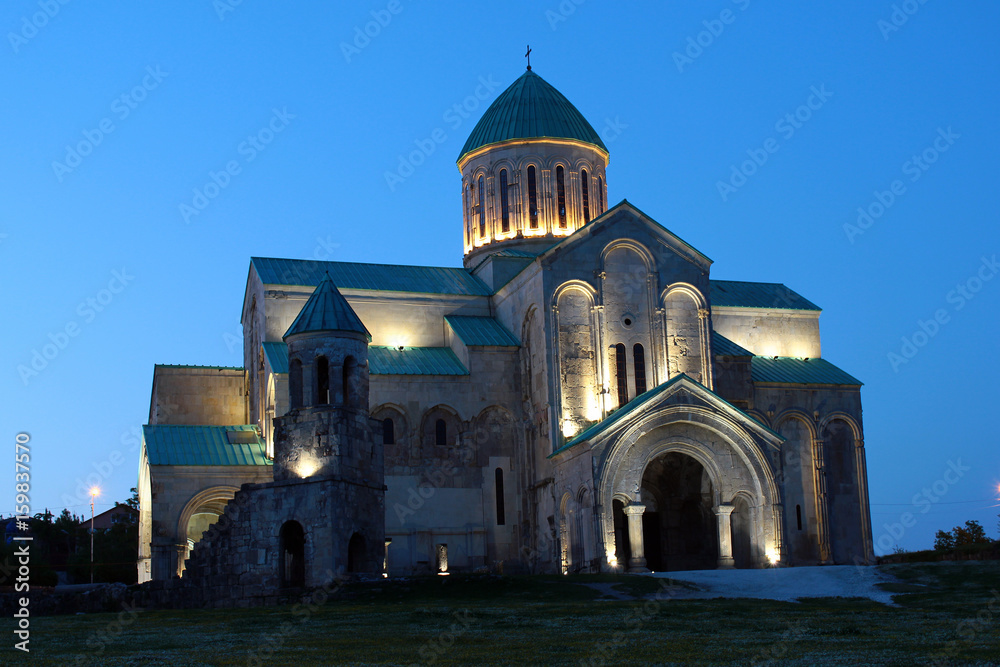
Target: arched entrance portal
(678, 525)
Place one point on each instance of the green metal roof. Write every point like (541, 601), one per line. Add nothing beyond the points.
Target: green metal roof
(793, 370)
(171, 445)
(413, 361)
(277, 356)
(531, 109)
(380, 277)
(214, 368)
(727, 348)
(510, 252)
(327, 310)
(618, 415)
(739, 294)
(481, 331)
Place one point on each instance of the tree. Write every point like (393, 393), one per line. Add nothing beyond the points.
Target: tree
(971, 533)
(944, 540)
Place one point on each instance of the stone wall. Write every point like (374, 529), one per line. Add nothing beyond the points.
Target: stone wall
(198, 396)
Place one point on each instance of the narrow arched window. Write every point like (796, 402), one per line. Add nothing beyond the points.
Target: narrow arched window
(322, 381)
(621, 374)
(388, 431)
(561, 194)
(482, 206)
(504, 207)
(532, 199)
(440, 433)
(471, 201)
(347, 380)
(639, 358)
(600, 195)
(584, 183)
(501, 511)
(465, 208)
(295, 384)
(798, 515)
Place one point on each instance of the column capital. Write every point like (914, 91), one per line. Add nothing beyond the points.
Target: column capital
(723, 510)
(634, 508)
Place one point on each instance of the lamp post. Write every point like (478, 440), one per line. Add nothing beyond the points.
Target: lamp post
(94, 492)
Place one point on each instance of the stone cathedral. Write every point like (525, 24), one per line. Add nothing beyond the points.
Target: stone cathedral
(579, 396)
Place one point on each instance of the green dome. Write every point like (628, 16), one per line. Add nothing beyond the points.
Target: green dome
(531, 109)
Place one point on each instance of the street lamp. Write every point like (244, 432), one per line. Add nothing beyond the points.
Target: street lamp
(94, 492)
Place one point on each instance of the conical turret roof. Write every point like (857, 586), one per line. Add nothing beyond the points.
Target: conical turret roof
(327, 310)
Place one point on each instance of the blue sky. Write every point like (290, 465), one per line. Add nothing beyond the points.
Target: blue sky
(140, 105)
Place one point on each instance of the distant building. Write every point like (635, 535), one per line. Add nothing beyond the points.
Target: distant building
(580, 396)
(114, 516)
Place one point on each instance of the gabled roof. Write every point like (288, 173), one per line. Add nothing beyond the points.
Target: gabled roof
(644, 401)
(739, 294)
(413, 361)
(531, 109)
(676, 243)
(793, 370)
(724, 347)
(172, 445)
(378, 277)
(327, 310)
(277, 356)
(481, 331)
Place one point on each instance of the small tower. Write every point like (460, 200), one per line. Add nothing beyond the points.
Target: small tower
(533, 172)
(327, 430)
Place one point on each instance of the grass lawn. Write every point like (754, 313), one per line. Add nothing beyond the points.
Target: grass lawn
(947, 613)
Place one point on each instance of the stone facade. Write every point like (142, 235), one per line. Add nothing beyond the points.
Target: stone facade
(582, 399)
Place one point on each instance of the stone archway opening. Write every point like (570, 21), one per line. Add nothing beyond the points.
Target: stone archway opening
(742, 531)
(198, 518)
(623, 551)
(356, 554)
(679, 528)
(292, 540)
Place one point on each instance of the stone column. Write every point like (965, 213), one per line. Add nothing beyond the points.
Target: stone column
(822, 508)
(637, 563)
(704, 333)
(724, 512)
(182, 554)
(441, 558)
